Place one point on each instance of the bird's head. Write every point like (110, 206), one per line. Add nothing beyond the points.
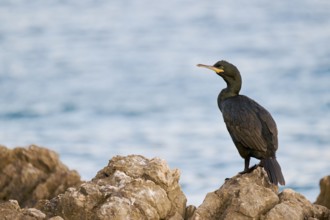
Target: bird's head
(226, 70)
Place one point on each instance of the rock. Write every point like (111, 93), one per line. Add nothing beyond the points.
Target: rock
(293, 205)
(252, 196)
(134, 187)
(190, 210)
(324, 197)
(131, 187)
(30, 174)
(240, 197)
(11, 210)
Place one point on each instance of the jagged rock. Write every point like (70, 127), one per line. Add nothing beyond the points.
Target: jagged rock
(240, 197)
(252, 196)
(30, 174)
(131, 187)
(293, 205)
(11, 210)
(324, 196)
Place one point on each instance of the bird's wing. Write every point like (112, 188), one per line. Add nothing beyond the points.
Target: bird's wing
(245, 123)
(269, 127)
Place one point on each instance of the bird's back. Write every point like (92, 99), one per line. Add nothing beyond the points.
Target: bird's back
(250, 126)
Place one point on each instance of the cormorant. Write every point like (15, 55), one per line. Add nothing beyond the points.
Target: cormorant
(251, 127)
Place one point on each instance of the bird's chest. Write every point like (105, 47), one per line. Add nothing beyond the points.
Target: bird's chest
(237, 115)
(231, 107)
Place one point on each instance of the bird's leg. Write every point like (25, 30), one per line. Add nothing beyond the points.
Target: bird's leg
(248, 169)
(246, 165)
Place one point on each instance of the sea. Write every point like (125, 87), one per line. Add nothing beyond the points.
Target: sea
(92, 79)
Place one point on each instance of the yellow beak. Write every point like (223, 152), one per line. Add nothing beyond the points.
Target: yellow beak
(215, 69)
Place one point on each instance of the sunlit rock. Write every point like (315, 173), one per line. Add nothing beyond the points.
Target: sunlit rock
(131, 187)
(252, 196)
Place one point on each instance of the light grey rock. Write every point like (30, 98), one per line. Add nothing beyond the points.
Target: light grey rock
(241, 197)
(131, 187)
(293, 205)
(252, 196)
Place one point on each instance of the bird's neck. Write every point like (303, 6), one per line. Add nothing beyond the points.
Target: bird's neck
(230, 91)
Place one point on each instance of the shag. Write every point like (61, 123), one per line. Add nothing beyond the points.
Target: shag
(251, 127)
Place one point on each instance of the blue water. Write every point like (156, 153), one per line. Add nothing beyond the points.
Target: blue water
(94, 79)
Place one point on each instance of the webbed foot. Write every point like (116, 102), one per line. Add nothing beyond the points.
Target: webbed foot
(248, 170)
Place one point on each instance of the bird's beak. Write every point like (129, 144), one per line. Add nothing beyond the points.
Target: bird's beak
(215, 69)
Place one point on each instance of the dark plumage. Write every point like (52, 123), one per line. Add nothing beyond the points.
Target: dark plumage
(251, 127)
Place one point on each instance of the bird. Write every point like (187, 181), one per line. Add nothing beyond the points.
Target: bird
(251, 127)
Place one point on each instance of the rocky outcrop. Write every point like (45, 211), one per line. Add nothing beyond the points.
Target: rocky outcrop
(134, 187)
(30, 174)
(131, 187)
(324, 197)
(251, 196)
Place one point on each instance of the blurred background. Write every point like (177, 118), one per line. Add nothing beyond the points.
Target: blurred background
(92, 79)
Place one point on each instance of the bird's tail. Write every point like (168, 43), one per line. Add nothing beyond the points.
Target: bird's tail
(273, 170)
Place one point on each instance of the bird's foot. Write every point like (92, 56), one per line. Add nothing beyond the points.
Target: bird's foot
(250, 169)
